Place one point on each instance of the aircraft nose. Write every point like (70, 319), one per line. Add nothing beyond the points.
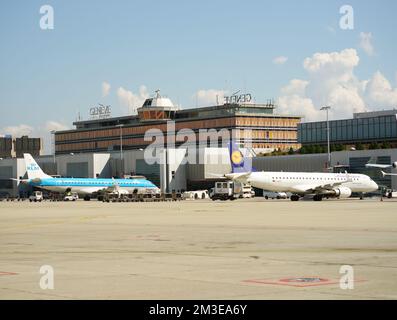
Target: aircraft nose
(375, 185)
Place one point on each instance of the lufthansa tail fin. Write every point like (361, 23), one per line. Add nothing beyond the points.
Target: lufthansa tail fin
(33, 169)
(239, 162)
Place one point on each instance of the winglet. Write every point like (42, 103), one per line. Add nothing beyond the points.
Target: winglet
(383, 173)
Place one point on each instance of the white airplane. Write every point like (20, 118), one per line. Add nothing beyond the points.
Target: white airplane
(320, 185)
(383, 166)
(85, 186)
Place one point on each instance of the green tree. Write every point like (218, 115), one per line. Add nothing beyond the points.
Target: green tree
(373, 146)
(338, 147)
(309, 149)
(359, 146)
(386, 145)
(317, 149)
(291, 151)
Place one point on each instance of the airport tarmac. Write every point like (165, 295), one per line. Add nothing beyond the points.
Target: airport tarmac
(245, 249)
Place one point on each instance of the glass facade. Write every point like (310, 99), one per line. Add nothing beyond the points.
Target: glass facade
(372, 129)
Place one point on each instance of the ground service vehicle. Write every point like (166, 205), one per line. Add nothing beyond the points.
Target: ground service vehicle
(37, 196)
(275, 195)
(390, 193)
(72, 196)
(230, 190)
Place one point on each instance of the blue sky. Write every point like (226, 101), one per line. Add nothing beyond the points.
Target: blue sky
(178, 46)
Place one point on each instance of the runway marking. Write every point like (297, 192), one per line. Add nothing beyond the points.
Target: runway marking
(5, 273)
(298, 281)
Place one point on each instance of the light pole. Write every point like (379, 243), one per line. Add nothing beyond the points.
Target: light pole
(326, 108)
(121, 147)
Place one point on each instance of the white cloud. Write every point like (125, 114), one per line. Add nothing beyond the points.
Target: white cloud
(366, 43)
(209, 97)
(294, 100)
(18, 130)
(280, 60)
(130, 100)
(331, 81)
(396, 78)
(44, 132)
(105, 89)
(54, 125)
(298, 105)
(379, 91)
(296, 86)
(338, 61)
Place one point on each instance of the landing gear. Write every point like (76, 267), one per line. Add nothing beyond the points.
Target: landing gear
(361, 196)
(295, 197)
(318, 197)
(87, 198)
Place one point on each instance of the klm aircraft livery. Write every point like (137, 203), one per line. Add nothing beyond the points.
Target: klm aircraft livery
(37, 178)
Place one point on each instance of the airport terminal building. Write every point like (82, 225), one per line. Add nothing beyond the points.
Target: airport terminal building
(365, 128)
(269, 131)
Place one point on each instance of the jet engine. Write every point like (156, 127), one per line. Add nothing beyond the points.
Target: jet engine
(394, 165)
(342, 192)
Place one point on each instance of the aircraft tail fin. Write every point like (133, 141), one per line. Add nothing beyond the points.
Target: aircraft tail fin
(33, 169)
(239, 162)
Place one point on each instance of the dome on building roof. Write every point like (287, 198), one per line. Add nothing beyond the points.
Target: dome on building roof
(158, 102)
(157, 108)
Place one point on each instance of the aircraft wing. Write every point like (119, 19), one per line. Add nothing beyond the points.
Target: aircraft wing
(238, 176)
(382, 166)
(384, 174)
(303, 188)
(19, 180)
(328, 186)
(114, 188)
(90, 190)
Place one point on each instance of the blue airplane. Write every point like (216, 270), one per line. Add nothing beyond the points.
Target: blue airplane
(84, 186)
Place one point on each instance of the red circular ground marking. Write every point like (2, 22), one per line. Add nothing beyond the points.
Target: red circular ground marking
(304, 280)
(4, 273)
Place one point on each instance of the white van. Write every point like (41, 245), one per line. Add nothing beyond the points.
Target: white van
(37, 196)
(275, 195)
(73, 196)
